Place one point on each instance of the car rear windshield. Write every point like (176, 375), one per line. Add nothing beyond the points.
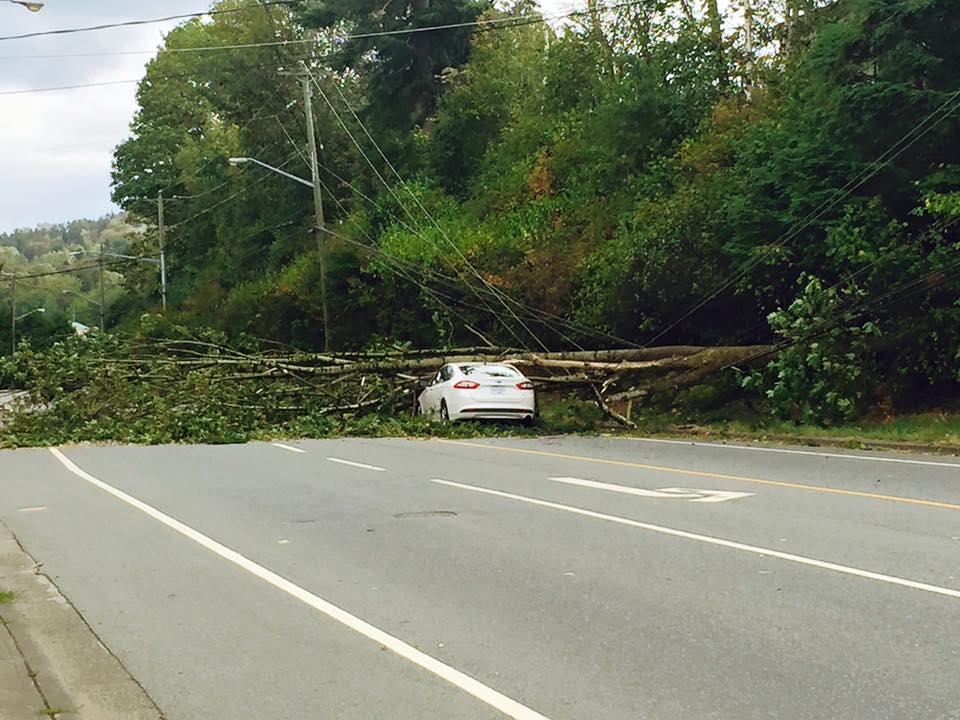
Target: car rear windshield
(489, 371)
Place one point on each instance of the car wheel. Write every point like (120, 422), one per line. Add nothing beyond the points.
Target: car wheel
(444, 413)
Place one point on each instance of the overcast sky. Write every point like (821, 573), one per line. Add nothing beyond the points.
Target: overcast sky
(56, 148)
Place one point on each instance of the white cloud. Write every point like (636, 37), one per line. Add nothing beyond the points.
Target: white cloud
(56, 148)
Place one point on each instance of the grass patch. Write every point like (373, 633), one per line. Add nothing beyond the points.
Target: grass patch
(53, 712)
(7, 597)
(936, 429)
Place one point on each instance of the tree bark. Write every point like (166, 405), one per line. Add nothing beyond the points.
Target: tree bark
(600, 37)
(715, 22)
(698, 367)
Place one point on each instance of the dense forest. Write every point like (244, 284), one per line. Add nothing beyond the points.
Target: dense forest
(654, 172)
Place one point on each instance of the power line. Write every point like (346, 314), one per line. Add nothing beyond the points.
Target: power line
(849, 278)
(395, 263)
(496, 292)
(66, 271)
(861, 179)
(898, 292)
(503, 23)
(57, 88)
(258, 113)
(131, 23)
(536, 314)
(399, 266)
(393, 169)
(227, 199)
(104, 83)
(390, 189)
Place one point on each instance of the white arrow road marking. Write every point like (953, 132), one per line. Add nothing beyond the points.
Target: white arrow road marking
(708, 496)
(711, 496)
(625, 489)
(755, 549)
(619, 488)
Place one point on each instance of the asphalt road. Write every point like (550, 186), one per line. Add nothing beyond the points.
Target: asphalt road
(555, 578)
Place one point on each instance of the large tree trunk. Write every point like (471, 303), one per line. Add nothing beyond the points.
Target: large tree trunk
(351, 383)
(715, 22)
(600, 37)
(697, 368)
(749, 74)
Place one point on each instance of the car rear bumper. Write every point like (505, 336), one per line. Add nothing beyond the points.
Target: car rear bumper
(493, 412)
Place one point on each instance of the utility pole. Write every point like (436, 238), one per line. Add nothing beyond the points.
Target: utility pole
(318, 209)
(103, 322)
(748, 29)
(163, 253)
(13, 314)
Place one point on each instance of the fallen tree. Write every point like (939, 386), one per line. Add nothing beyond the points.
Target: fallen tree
(179, 383)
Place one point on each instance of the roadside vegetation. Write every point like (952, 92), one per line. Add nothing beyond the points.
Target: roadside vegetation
(171, 384)
(650, 173)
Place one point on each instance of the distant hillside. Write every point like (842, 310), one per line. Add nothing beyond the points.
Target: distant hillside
(31, 253)
(48, 242)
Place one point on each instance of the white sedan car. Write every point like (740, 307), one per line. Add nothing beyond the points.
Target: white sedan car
(478, 390)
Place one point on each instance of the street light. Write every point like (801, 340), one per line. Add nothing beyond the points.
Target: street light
(318, 219)
(28, 314)
(235, 161)
(31, 6)
(13, 327)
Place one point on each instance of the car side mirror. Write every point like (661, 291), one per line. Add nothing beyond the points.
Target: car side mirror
(424, 383)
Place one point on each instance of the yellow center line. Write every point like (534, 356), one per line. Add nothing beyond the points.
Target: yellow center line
(719, 476)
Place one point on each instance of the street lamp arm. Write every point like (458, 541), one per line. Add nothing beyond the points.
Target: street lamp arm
(90, 301)
(28, 314)
(31, 6)
(243, 160)
(140, 258)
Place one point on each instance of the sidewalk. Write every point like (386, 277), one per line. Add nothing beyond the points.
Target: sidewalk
(51, 663)
(19, 697)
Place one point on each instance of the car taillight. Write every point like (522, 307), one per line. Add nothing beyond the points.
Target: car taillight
(525, 385)
(467, 385)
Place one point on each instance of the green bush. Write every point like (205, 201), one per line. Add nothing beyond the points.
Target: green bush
(821, 376)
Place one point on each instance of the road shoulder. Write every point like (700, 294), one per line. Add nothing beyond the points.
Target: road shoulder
(73, 674)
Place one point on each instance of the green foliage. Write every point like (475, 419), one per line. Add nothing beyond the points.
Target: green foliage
(161, 386)
(820, 377)
(403, 78)
(619, 171)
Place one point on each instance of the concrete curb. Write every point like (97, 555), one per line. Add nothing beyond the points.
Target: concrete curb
(851, 443)
(72, 669)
